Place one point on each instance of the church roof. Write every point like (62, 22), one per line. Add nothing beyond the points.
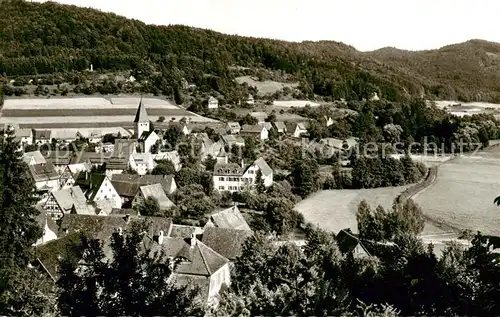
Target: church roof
(141, 115)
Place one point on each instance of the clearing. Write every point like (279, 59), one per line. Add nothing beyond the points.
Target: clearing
(266, 86)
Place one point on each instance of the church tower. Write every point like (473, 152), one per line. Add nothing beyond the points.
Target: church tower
(141, 120)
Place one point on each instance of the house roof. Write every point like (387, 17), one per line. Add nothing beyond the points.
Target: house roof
(166, 181)
(252, 128)
(263, 166)
(292, 126)
(92, 157)
(182, 231)
(22, 133)
(230, 169)
(230, 218)
(124, 211)
(72, 200)
(156, 191)
(231, 139)
(212, 99)
(36, 155)
(63, 134)
(124, 147)
(59, 157)
(102, 227)
(146, 134)
(42, 134)
(77, 168)
(280, 125)
(268, 125)
(348, 241)
(96, 181)
(124, 188)
(43, 172)
(43, 218)
(141, 114)
(234, 125)
(117, 163)
(198, 259)
(226, 242)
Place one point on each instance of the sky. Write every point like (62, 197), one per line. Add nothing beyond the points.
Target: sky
(365, 24)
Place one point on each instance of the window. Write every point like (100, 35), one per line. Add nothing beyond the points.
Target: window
(221, 179)
(250, 172)
(221, 187)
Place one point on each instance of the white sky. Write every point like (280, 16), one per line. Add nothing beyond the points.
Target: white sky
(365, 24)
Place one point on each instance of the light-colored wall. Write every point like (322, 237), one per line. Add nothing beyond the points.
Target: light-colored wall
(107, 191)
(150, 141)
(52, 183)
(48, 235)
(241, 183)
(218, 278)
(213, 104)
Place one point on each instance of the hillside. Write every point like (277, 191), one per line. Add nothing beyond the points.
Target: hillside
(52, 38)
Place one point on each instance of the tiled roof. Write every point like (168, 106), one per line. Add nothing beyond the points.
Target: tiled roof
(166, 181)
(234, 125)
(230, 169)
(23, 133)
(226, 242)
(267, 125)
(42, 134)
(92, 157)
(59, 157)
(230, 218)
(123, 211)
(43, 172)
(117, 163)
(156, 191)
(72, 199)
(280, 126)
(183, 232)
(230, 139)
(43, 218)
(125, 189)
(48, 254)
(36, 155)
(95, 182)
(251, 128)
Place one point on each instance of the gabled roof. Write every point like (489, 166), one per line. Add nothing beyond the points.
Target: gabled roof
(72, 200)
(212, 99)
(198, 259)
(124, 147)
(22, 133)
(268, 125)
(230, 139)
(280, 125)
(230, 218)
(141, 114)
(166, 181)
(348, 242)
(59, 157)
(226, 242)
(156, 191)
(43, 172)
(117, 163)
(263, 166)
(35, 155)
(252, 128)
(146, 134)
(43, 218)
(183, 231)
(124, 188)
(123, 212)
(234, 125)
(96, 181)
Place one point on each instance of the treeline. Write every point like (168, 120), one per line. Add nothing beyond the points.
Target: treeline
(51, 38)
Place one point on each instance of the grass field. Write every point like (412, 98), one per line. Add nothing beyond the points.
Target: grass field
(266, 86)
(462, 195)
(335, 210)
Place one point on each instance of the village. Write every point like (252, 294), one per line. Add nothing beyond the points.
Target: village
(102, 191)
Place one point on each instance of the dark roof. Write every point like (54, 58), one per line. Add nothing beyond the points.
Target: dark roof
(92, 157)
(125, 189)
(95, 182)
(102, 227)
(254, 128)
(59, 157)
(43, 218)
(117, 163)
(124, 211)
(348, 241)
(182, 231)
(43, 172)
(141, 114)
(42, 134)
(165, 180)
(230, 169)
(199, 259)
(226, 242)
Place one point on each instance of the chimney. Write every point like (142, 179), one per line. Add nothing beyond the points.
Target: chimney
(161, 237)
(119, 230)
(193, 240)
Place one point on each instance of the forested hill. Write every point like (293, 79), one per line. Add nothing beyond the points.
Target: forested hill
(46, 38)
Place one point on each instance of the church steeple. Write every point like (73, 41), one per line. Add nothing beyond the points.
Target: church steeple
(141, 120)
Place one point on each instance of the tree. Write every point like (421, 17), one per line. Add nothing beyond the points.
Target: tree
(172, 136)
(134, 282)
(161, 119)
(259, 182)
(163, 167)
(149, 207)
(305, 176)
(178, 95)
(210, 162)
(281, 216)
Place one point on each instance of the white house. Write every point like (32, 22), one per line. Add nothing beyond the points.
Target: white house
(233, 127)
(24, 136)
(296, 129)
(45, 176)
(234, 178)
(172, 156)
(66, 201)
(42, 137)
(258, 131)
(49, 229)
(147, 140)
(101, 189)
(213, 103)
(250, 100)
(328, 121)
(142, 163)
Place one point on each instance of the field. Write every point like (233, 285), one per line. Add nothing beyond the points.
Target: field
(462, 195)
(334, 210)
(266, 86)
(88, 112)
(469, 108)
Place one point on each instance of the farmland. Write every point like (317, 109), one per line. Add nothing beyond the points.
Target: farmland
(266, 86)
(88, 112)
(462, 195)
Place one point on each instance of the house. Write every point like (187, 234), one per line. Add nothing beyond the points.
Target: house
(63, 136)
(100, 189)
(107, 147)
(152, 191)
(147, 140)
(230, 218)
(59, 158)
(213, 103)
(234, 178)
(34, 158)
(122, 156)
(233, 127)
(70, 172)
(91, 158)
(250, 100)
(232, 140)
(328, 121)
(49, 229)
(66, 201)
(142, 163)
(226, 242)
(258, 131)
(166, 181)
(172, 156)
(207, 146)
(350, 243)
(267, 125)
(126, 190)
(199, 264)
(260, 116)
(45, 176)
(184, 127)
(374, 97)
(94, 136)
(42, 137)
(23, 136)
(296, 129)
(184, 231)
(280, 126)
(338, 144)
